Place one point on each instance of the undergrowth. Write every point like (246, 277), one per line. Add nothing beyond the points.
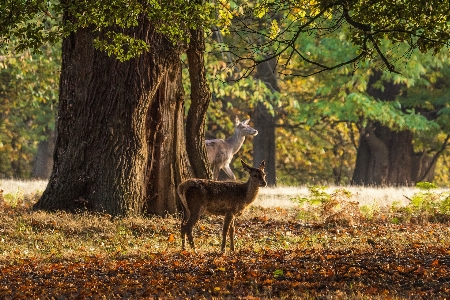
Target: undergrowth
(342, 207)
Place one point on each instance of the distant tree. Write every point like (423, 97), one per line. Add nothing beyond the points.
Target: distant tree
(402, 131)
(289, 36)
(43, 162)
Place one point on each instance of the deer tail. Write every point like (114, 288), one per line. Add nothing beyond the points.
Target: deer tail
(186, 212)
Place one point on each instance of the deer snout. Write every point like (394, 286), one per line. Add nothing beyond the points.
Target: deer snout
(255, 132)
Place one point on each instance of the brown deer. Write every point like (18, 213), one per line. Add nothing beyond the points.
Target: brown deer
(224, 198)
(220, 152)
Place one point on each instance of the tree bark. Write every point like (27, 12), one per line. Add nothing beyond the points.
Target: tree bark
(119, 128)
(401, 152)
(200, 98)
(167, 164)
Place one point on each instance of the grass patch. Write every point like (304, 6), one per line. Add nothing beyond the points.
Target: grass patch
(341, 249)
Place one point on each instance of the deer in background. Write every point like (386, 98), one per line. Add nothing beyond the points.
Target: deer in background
(224, 198)
(220, 152)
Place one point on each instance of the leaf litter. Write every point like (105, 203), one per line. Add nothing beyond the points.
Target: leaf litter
(64, 256)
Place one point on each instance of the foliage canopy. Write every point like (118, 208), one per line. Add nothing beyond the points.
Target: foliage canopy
(276, 29)
(269, 28)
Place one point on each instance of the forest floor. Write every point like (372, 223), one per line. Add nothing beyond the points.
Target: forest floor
(336, 250)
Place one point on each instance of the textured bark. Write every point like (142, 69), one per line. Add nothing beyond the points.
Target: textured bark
(387, 157)
(401, 152)
(264, 143)
(119, 129)
(44, 157)
(200, 98)
(168, 163)
(423, 167)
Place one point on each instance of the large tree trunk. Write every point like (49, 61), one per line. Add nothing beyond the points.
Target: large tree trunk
(383, 157)
(264, 143)
(120, 140)
(387, 157)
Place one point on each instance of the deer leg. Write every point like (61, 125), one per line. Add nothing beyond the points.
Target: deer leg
(229, 172)
(190, 226)
(226, 226)
(216, 171)
(232, 235)
(183, 236)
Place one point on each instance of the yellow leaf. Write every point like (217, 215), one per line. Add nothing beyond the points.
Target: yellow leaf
(260, 10)
(274, 29)
(171, 238)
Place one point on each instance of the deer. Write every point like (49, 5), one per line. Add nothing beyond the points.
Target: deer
(220, 152)
(223, 198)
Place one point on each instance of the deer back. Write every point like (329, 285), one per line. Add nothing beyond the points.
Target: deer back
(220, 152)
(222, 197)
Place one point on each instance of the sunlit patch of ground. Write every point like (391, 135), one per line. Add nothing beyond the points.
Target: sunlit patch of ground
(10, 186)
(269, 196)
(382, 196)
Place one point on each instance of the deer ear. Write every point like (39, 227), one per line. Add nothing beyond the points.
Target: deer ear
(262, 165)
(246, 167)
(237, 120)
(246, 121)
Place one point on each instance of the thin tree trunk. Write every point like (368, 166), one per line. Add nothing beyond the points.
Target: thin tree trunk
(200, 98)
(44, 157)
(264, 143)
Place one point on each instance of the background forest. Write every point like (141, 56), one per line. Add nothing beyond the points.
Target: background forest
(125, 92)
(319, 123)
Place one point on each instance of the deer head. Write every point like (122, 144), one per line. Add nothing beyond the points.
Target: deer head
(257, 175)
(244, 129)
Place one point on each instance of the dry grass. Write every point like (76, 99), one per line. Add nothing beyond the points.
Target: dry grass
(26, 233)
(385, 196)
(269, 197)
(341, 255)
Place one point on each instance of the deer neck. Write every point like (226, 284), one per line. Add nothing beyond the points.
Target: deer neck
(235, 141)
(252, 191)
